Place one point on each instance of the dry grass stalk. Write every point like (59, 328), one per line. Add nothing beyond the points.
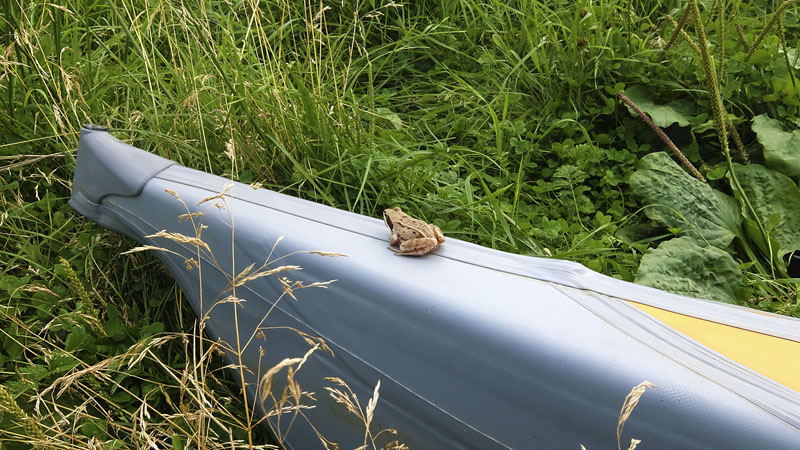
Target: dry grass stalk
(219, 196)
(266, 380)
(291, 400)
(190, 216)
(371, 405)
(631, 400)
(181, 239)
(331, 254)
(663, 136)
(193, 411)
(246, 277)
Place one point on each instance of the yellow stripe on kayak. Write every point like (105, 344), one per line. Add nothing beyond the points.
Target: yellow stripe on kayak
(771, 356)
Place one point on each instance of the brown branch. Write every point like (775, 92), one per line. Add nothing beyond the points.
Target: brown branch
(664, 138)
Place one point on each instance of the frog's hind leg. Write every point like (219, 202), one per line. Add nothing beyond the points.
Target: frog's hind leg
(418, 247)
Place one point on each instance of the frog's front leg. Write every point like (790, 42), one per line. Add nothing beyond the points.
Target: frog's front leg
(417, 247)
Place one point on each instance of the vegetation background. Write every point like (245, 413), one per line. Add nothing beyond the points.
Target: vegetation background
(498, 121)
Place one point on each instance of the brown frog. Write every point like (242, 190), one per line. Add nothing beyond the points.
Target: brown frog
(413, 236)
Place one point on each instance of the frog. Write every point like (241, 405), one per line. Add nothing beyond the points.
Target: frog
(412, 236)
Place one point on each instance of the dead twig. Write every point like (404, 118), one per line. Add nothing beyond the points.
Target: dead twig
(663, 136)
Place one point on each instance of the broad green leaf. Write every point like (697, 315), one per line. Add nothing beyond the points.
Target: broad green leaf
(13, 285)
(675, 111)
(392, 117)
(11, 345)
(683, 267)
(677, 200)
(781, 148)
(62, 361)
(114, 327)
(153, 328)
(776, 200)
(78, 339)
(34, 372)
(177, 442)
(114, 444)
(122, 397)
(93, 428)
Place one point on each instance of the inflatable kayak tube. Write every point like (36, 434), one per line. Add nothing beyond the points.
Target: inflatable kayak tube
(474, 348)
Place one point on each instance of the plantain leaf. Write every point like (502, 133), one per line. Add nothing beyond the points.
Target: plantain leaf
(677, 200)
(781, 148)
(675, 111)
(776, 200)
(684, 267)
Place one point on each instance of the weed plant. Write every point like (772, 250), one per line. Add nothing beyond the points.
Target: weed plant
(499, 121)
(758, 223)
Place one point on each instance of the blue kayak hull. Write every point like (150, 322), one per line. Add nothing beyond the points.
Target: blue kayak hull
(474, 348)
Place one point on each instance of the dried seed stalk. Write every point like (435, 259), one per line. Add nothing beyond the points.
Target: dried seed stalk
(663, 136)
(631, 400)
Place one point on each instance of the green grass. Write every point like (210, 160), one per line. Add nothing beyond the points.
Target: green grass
(498, 121)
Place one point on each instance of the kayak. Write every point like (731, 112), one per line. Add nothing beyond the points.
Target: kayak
(473, 348)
